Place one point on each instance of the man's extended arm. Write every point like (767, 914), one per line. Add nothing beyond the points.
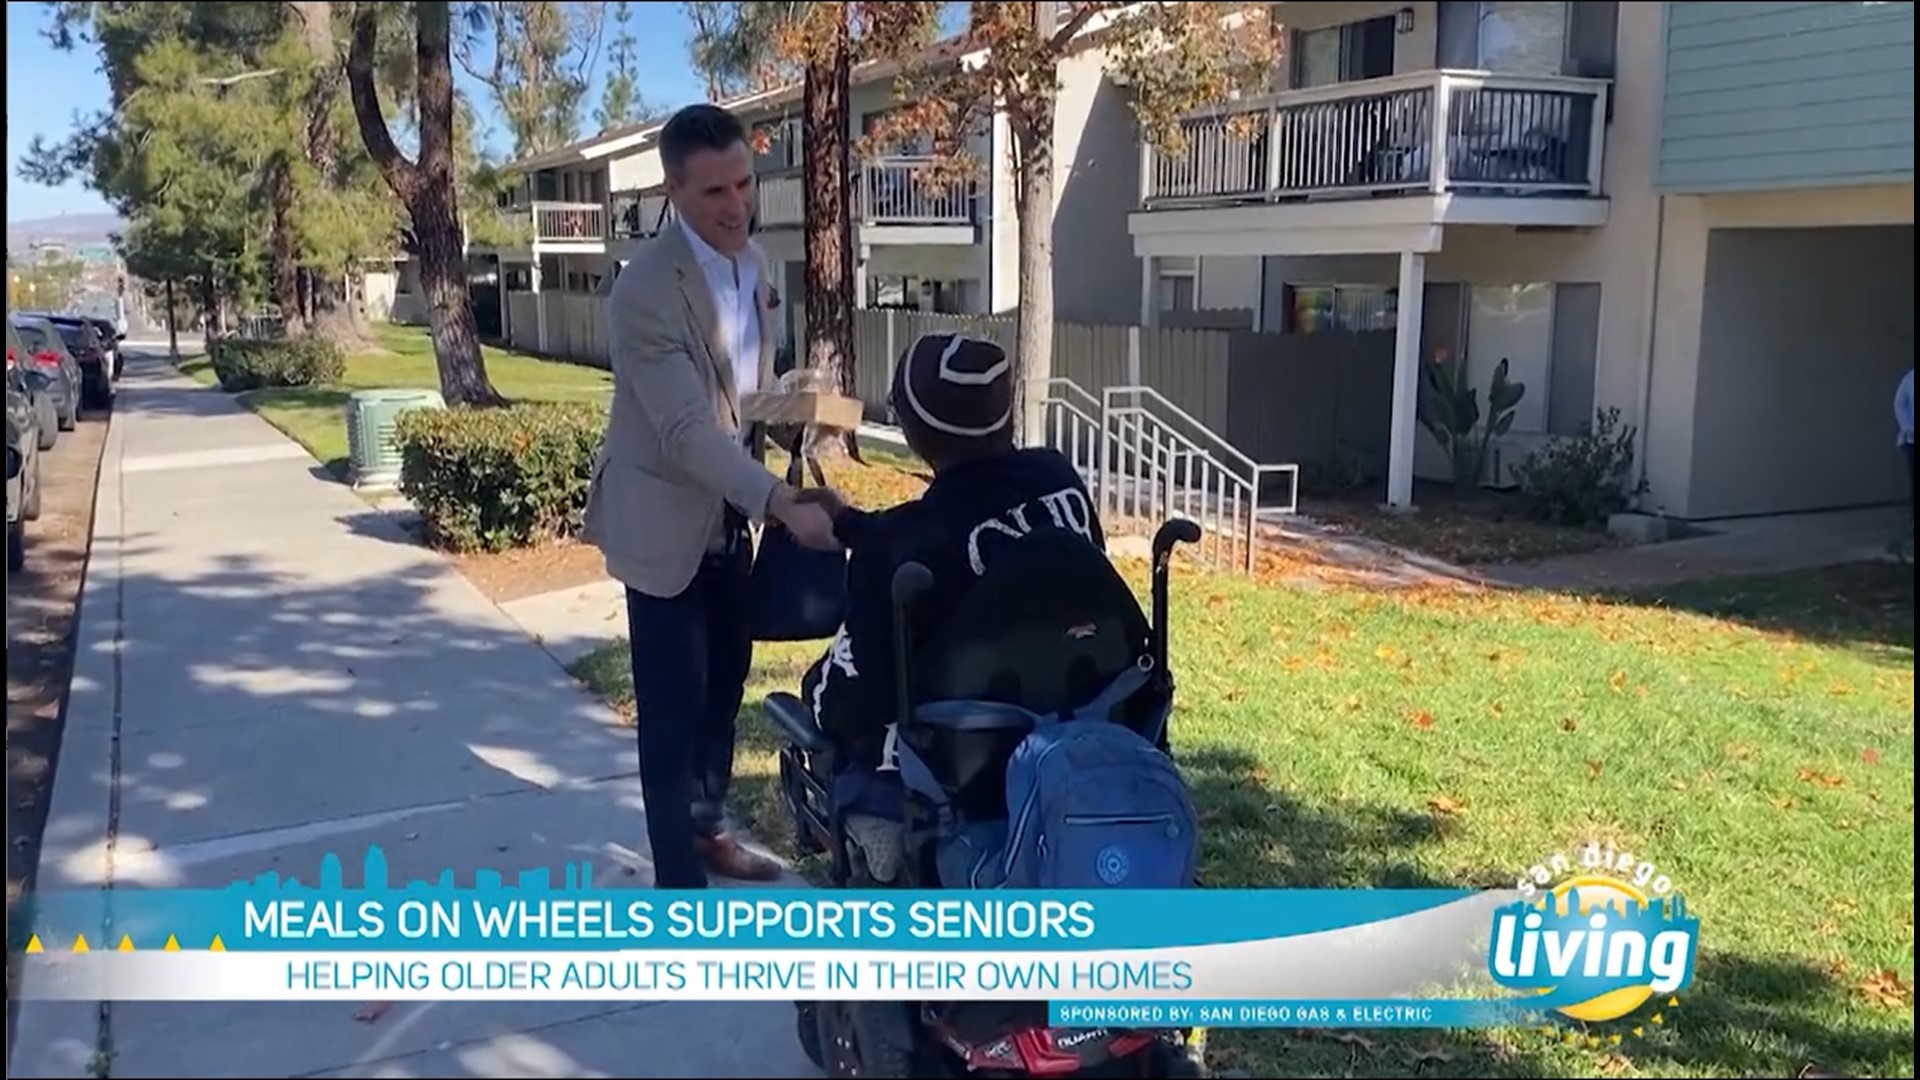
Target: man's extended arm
(653, 360)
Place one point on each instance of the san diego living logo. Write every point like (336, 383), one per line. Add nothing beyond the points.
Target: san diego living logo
(1594, 936)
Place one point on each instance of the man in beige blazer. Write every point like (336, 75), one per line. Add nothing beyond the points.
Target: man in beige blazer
(679, 481)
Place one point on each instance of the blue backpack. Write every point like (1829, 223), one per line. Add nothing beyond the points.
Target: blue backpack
(1093, 805)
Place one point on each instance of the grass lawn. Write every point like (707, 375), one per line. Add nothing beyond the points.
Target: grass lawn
(315, 416)
(1754, 738)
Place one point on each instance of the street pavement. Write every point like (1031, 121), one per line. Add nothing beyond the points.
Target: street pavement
(267, 671)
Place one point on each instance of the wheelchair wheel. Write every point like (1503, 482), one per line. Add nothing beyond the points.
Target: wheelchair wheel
(1183, 1060)
(869, 1039)
(807, 1027)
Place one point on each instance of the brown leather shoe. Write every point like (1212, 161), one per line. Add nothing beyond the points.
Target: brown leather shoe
(724, 856)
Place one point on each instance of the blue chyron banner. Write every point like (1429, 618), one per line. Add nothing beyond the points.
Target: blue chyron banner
(1592, 948)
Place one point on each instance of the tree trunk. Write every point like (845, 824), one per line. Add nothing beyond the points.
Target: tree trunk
(1033, 210)
(173, 324)
(429, 191)
(830, 255)
(283, 257)
(329, 315)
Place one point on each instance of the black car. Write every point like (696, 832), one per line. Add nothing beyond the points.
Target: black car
(111, 337)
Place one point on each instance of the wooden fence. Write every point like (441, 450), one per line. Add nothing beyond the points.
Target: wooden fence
(1278, 398)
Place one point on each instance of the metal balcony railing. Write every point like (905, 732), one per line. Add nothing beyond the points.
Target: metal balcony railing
(1438, 132)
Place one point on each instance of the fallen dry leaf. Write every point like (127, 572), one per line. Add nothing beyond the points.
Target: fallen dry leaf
(1353, 703)
(1442, 804)
(1870, 756)
(1781, 802)
(1594, 767)
(1569, 724)
(1884, 988)
(1422, 720)
(1843, 906)
(1820, 779)
(1618, 681)
(1613, 1065)
(372, 1011)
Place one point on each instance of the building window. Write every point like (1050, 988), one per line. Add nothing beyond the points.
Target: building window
(1176, 283)
(1513, 323)
(1347, 309)
(1523, 37)
(1345, 53)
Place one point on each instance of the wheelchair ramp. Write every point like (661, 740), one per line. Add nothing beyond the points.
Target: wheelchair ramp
(1146, 460)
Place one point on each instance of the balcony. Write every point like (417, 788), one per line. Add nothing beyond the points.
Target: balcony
(908, 191)
(639, 215)
(782, 200)
(888, 192)
(563, 226)
(1467, 144)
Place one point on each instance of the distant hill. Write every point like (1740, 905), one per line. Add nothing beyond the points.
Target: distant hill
(65, 228)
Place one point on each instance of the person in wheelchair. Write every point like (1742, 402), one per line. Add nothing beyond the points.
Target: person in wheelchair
(953, 399)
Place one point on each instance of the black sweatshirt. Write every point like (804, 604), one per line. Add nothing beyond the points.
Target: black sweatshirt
(967, 515)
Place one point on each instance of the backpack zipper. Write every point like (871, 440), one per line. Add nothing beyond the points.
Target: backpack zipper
(1117, 819)
(1026, 812)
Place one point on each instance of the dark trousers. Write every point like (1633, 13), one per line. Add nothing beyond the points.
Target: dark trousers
(690, 657)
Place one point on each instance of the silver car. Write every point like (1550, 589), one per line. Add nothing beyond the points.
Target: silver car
(23, 454)
(53, 374)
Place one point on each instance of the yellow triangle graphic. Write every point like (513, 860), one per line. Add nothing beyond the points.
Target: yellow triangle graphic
(80, 943)
(126, 943)
(33, 944)
(218, 945)
(172, 945)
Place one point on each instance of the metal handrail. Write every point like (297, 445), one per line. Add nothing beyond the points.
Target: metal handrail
(1148, 465)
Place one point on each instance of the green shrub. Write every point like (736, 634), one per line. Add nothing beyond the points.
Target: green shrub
(493, 479)
(245, 364)
(1583, 480)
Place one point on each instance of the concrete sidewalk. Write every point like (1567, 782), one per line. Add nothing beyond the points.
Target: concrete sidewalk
(268, 671)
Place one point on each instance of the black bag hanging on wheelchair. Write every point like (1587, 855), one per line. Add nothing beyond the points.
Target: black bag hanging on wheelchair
(796, 593)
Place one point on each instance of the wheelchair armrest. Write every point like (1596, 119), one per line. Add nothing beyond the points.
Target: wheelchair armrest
(795, 722)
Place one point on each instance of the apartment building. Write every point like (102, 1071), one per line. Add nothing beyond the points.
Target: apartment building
(1578, 189)
(920, 243)
(1780, 258)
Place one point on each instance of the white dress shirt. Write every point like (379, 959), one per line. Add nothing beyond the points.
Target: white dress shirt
(734, 283)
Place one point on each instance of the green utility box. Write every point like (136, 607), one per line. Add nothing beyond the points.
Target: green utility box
(372, 459)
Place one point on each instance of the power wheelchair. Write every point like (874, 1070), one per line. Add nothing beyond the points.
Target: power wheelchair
(1050, 629)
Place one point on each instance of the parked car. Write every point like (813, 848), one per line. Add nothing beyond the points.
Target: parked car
(87, 346)
(23, 454)
(53, 374)
(112, 334)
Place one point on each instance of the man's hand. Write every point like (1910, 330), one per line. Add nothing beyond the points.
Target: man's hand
(808, 521)
(825, 497)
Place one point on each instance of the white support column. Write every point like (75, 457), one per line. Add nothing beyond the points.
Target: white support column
(1146, 290)
(1406, 381)
(539, 306)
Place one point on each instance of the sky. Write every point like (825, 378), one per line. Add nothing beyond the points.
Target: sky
(46, 88)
